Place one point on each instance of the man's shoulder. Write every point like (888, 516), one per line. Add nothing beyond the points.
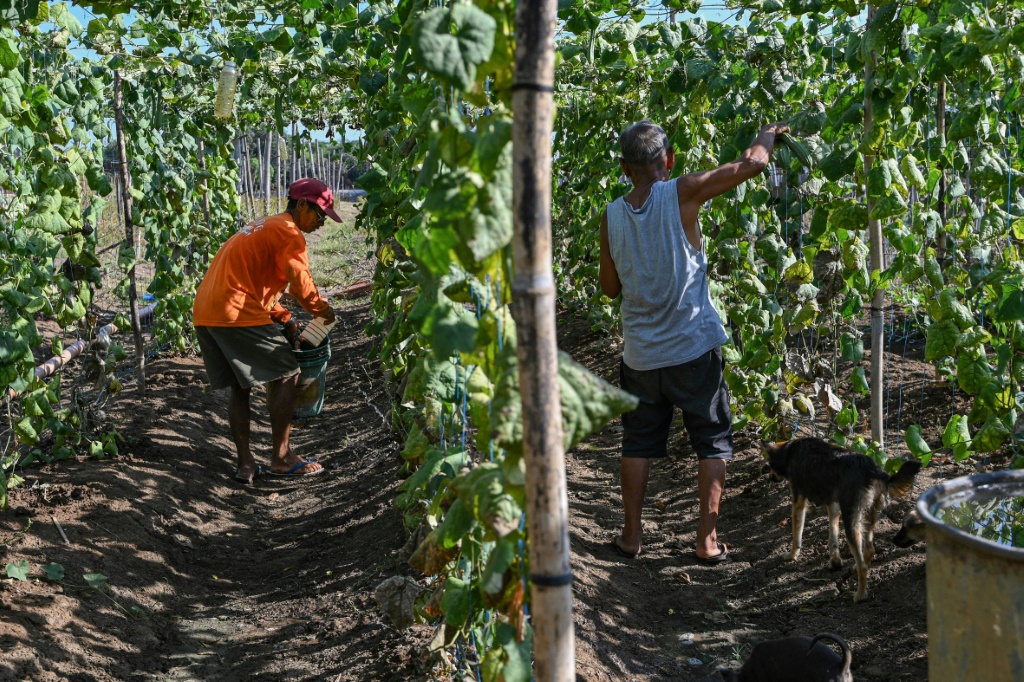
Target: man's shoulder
(283, 228)
(282, 221)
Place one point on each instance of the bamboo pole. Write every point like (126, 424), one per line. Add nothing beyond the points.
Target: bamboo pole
(248, 178)
(259, 173)
(877, 264)
(206, 203)
(295, 155)
(280, 184)
(129, 232)
(206, 187)
(341, 157)
(942, 245)
(242, 183)
(236, 153)
(533, 289)
(940, 129)
(266, 174)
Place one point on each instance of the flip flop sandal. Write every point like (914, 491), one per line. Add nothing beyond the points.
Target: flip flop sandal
(719, 558)
(249, 479)
(294, 471)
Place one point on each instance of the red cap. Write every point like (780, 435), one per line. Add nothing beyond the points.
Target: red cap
(316, 192)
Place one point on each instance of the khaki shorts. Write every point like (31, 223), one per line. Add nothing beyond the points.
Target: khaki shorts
(245, 356)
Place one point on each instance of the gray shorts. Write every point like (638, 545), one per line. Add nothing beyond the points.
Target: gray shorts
(245, 356)
(697, 388)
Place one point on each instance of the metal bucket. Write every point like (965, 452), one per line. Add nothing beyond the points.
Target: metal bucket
(975, 586)
(309, 399)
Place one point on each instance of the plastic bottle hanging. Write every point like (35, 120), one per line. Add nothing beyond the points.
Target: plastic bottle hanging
(226, 85)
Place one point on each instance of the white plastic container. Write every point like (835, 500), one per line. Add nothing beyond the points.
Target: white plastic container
(315, 332)
(226, 85)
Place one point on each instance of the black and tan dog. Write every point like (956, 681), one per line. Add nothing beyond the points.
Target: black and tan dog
(850, 485)
(795, 659)
(912, 531)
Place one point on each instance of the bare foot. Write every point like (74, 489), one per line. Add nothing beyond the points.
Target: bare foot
(625, 549)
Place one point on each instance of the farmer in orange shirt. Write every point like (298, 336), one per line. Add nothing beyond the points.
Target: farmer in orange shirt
(235, 311)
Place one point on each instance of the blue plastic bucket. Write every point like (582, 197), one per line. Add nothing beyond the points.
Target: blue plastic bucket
(309, 399)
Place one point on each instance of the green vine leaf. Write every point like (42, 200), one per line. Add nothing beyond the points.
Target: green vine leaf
(588, 403)
(452, 55)
(94, 579)
(54, 571)
(62, 17)
(18, 570)
(10, 56)
(917, 445)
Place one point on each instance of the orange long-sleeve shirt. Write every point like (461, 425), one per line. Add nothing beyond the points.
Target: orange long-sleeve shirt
(249, 272)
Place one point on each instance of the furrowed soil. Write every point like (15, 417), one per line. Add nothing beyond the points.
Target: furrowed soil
(209, 579)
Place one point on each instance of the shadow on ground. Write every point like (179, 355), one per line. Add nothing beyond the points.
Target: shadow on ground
(206, 578)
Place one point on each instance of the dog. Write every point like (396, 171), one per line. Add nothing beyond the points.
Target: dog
(912, 531)
(850, 485)
(795, 659)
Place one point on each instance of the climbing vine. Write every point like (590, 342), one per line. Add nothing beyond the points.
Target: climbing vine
(428, 84)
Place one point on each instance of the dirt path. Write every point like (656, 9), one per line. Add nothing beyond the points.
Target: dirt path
(207, 579)
(663, 616)
(210, 580)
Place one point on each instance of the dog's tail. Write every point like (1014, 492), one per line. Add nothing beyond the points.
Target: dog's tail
(847, 654)
(900, 483)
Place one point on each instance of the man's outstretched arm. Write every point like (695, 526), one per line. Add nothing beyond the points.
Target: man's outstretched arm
(697, 188)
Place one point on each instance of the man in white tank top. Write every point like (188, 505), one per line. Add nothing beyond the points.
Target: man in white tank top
(652, 253)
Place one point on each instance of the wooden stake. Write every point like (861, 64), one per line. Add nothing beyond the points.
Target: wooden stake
(533, 289)
(877, 264)
(259, 174)
(280, 187)
(237, 156)
(312, 159)
(129, 232)
(61, 530)
(248, 178)
(341, 157)
(940, 129)
(243, 185)
(295, 153)
(266, 175)
(206, 198)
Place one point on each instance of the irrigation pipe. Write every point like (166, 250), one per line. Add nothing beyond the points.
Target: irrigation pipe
(49, 367)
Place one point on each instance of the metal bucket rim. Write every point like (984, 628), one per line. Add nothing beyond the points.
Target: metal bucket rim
(963, 484)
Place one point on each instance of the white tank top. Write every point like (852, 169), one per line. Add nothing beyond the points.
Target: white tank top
(667, 314)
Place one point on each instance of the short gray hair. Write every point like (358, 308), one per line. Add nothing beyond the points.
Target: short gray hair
(643, 143)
